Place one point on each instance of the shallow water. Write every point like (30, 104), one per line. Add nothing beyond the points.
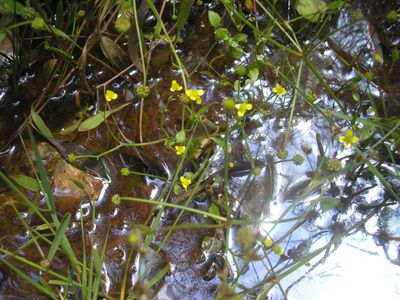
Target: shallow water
(354, 247)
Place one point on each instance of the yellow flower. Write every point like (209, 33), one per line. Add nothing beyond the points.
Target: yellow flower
(378, 57)
(185, 182)
(279, 90)
(348, 138)
(268, 243)
(111, 95)
(179, 150)
(231, 164)
(175, 87)
(242, 108)
(195, 95)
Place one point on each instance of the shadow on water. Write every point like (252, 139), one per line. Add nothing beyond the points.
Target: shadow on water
(324, 235)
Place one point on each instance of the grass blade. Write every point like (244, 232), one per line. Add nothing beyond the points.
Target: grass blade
(59, 236)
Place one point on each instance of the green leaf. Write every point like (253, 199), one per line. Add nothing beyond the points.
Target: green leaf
(41, 126)
(328, 203)
(219, 141)
(336, 5)
(177, 189)
(236, 52)
(202, 111)
(395, 55)
(94, 121)
(366, 132)
(28, 182)
(180, 137)
(214, 209)
(183, 14)
(240, 38)
(222, 34)
(214, 18)
(253, 74)
(2, 36)
(60, 235)
(72, 128)
(356, 97)
(161, 274)
(236, 85)
(308, 9)
(99, 118)
(9, 5)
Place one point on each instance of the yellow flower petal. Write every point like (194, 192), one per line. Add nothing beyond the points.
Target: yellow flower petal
(179, 150)
(111, 95)
(268, 243)
(279, 90)
(242, 108)
(348, 139)
(195, 95)
(175, 87)
(185, 182)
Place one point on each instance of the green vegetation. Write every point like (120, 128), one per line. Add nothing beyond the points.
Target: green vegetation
(190, 90)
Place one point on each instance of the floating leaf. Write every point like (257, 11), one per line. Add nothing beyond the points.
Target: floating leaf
(28, 182)
(44, 130)
(328, 203)
(214, 18)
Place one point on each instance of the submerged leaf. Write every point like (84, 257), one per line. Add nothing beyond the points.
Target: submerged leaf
(112, 51)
